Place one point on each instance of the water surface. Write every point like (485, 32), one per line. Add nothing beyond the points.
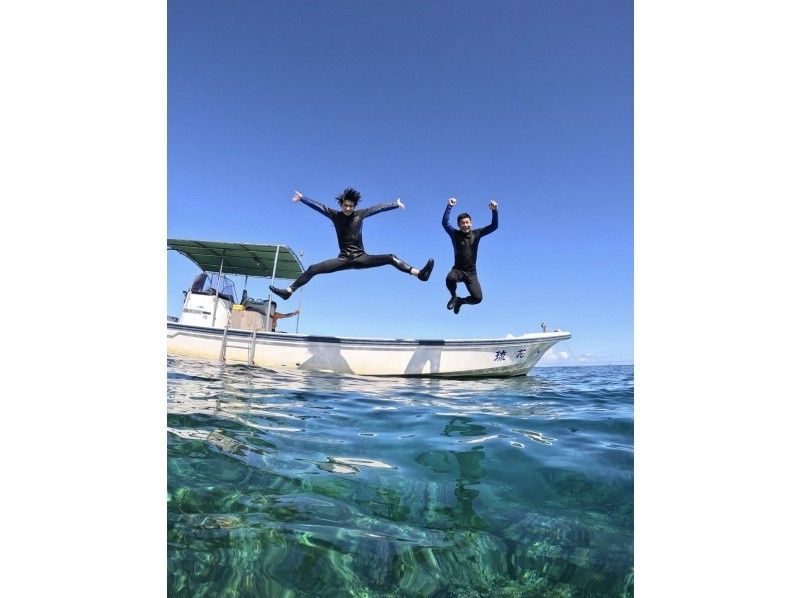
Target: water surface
(300, 484)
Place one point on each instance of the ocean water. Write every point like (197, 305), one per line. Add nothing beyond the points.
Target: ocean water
(294, 484)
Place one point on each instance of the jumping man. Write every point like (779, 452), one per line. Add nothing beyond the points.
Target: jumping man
(465, 245)
(347, 223)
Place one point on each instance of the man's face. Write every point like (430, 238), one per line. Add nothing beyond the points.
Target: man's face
(465, 224)
(348, 207)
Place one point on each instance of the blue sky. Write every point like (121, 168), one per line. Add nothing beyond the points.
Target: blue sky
(526, 103)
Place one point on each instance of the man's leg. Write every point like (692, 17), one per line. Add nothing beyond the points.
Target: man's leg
(450, 282)
(366, 260)
(325, 267)
(474, 289)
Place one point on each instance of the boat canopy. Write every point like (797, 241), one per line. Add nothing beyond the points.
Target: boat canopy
(246, 259)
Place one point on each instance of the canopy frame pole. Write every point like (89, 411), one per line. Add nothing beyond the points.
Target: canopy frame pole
(274, 269)
(219, 281)
(297, 321)
(269, 293)
(186, 299)
(299, 297)
(251, 353)
(224, 343)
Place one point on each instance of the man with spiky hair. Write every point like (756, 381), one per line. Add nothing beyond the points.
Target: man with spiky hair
(465, 241)
(347, 223)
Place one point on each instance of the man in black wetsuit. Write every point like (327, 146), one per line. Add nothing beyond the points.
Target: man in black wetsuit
(347, 223)
(465, 244)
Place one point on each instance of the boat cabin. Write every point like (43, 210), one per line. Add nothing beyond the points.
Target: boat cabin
(212, 300)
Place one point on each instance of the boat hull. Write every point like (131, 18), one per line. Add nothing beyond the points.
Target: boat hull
(363, 356)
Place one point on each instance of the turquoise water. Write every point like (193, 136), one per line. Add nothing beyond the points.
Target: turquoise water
(298, 484)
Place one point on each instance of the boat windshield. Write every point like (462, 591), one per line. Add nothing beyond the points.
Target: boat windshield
(227, 290)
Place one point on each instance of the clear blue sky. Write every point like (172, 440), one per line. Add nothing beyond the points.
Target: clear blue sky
(526, 103)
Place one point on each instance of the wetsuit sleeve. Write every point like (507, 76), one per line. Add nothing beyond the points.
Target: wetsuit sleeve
(383, 207)
(321, 208)
(446, 221)
(492, 227)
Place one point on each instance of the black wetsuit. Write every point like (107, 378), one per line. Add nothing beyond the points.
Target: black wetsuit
(465, 246)
(351, 246)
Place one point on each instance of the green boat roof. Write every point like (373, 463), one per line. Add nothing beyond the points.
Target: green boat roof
(246, 259)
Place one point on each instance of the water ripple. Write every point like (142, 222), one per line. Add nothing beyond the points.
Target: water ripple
(290, 483)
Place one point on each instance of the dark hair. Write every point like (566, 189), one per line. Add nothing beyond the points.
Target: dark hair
(348, 194)
(463, 215)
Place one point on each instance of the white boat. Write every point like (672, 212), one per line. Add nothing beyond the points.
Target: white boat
(213, 326)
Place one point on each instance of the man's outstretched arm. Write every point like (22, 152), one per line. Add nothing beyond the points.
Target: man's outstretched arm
(314, 205)
(278, 315)
(493, 226)
(383, 207)
(446, 218)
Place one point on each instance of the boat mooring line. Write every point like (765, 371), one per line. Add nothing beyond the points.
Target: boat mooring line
(566, 344)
